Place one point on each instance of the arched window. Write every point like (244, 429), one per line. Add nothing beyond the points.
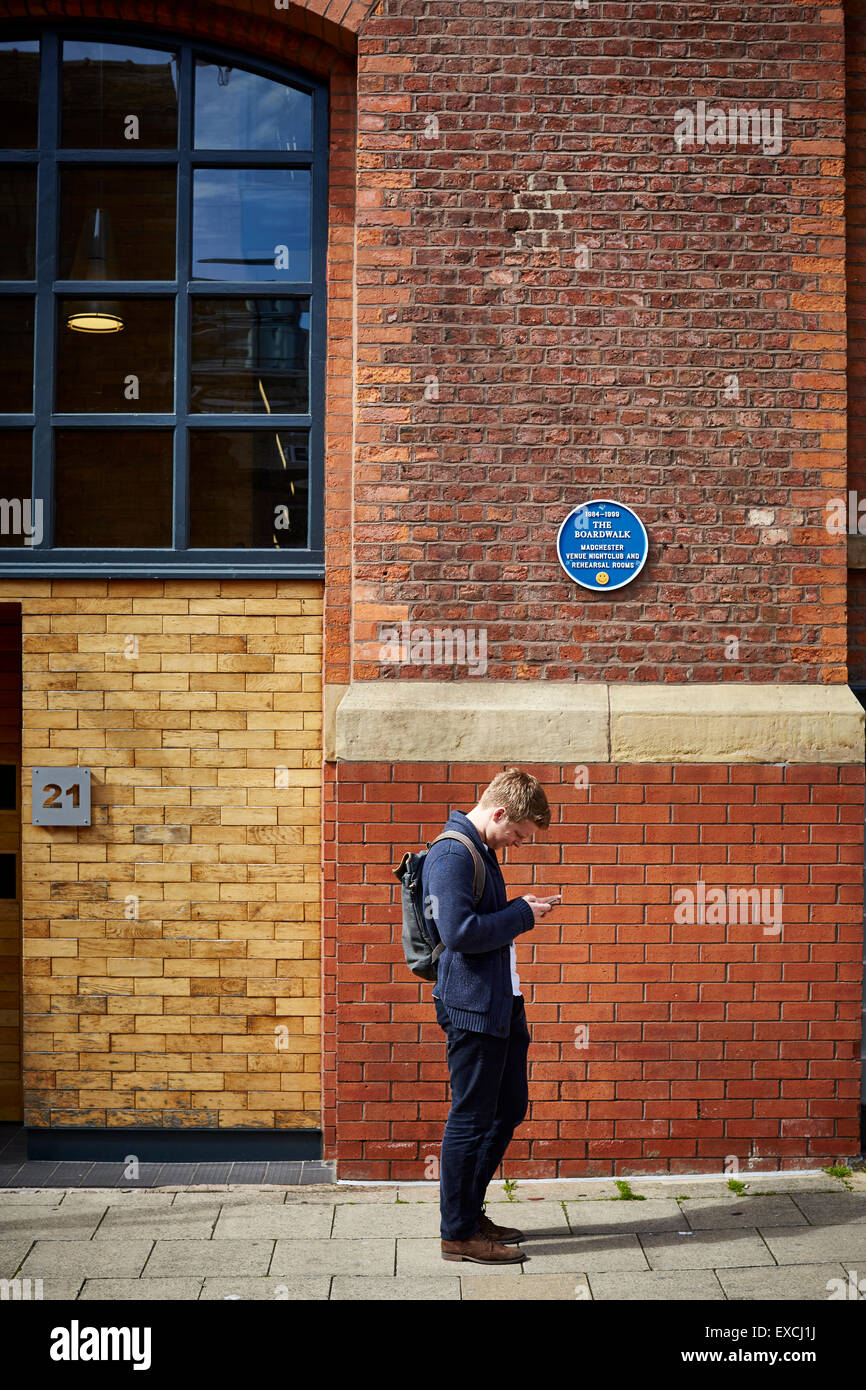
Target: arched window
(162, 308)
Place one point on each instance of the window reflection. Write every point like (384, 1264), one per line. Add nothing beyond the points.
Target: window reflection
(16, 358)
(113, 488)
(17, 224)
(117, 224)
(248, 488)
(19, 94)
(132, 370)
(238, 110)
(250, 355)
(116, 97)
(251, 224)
(21, 515)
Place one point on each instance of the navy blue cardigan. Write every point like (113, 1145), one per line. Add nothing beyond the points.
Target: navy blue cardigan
(474, 971)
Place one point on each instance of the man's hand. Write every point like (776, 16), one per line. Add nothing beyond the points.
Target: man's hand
(540, 906)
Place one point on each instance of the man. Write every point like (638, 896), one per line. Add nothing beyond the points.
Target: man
(480, 1008)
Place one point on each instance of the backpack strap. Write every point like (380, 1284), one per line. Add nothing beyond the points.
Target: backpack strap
(480, 876)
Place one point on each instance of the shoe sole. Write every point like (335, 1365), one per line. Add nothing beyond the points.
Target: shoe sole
(477, 1260)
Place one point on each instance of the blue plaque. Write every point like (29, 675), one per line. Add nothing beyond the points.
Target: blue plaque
(602, 545)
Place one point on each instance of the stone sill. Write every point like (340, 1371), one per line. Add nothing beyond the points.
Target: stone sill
(591, 722)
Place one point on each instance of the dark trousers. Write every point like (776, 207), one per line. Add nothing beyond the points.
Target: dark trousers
(489, 1098)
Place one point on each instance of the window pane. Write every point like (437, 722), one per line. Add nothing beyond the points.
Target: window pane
(238, 110)
(130, 369)
(17, 224)
(16, 357)
(251, 224)
(113, 488)
(118, 98)
(117, 224)
(19, 94)
(250, 354)
(248, 488)
(20, 516)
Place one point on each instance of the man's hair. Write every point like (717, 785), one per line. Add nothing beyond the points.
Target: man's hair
(522, 796)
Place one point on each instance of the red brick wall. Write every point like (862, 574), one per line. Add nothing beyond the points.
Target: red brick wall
(855, 207)
(705, 1041)
(556, 129)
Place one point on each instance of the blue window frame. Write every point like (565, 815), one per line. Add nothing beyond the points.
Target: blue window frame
(162, 306)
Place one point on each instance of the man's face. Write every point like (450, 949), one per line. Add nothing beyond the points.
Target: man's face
(503, 833)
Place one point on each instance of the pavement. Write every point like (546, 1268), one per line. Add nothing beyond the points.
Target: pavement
(787, 1236)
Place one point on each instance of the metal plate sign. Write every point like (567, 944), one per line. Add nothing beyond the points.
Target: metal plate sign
(602, 545)
(61, 796)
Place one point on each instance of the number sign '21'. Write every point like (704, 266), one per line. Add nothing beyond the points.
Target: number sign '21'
(61, 796)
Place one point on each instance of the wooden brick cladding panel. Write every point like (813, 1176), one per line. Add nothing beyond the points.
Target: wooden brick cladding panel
(10, 843)
(165, 944)
(705, 1040)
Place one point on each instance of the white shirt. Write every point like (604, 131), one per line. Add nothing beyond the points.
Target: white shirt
(515, 980)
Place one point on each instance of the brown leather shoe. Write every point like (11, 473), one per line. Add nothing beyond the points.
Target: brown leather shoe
(481, 1250)
(503, 1235)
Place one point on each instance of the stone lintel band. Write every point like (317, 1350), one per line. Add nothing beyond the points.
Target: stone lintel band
(591, 722)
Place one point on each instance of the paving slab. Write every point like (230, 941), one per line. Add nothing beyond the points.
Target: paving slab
(87, 1258)
(722, 1213)
(707, 1249)
(562, 1190)
(124, 1222)
(294, 1258)
(314, 1196)
(141, 1290)
(13, 1198)
(655, 1214)
(793, 1282)
(266, 1290)
(657, 1285)
(62, 1290)
(390, 1220)
(699, 1190)
(816, 1244)
(832, 1208)
(101, 1198)
(12, 1253)
(519, 1288)
(44, 1223)
(366, 1194)
(179, 1258)
(534, 1218)
(615, 1250)
(272, 1221)
(353, 1286)
(226, 1196)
